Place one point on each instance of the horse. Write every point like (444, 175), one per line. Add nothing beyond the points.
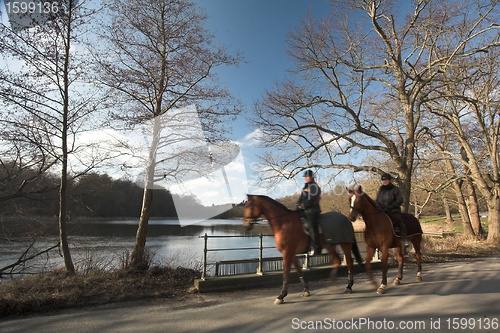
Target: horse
(379, 234)
(291, 239)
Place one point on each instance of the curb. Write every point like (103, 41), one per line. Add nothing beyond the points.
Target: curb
(247, 281)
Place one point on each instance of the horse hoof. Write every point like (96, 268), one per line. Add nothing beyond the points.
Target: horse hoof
(397, 282)
(419, 279)
(278, 301)
(348, 291)
(381, 289)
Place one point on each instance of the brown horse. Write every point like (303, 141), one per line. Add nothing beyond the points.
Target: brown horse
(379, 234)
(291, 239)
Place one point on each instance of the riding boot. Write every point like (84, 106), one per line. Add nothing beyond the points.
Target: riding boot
(317, 248)
(314, 245)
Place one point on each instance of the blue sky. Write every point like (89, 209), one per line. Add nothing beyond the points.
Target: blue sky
(258, 30)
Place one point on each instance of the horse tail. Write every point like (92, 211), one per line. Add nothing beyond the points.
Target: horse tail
(357, 255)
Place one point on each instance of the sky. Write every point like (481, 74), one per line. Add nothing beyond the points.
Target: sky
(258, 30)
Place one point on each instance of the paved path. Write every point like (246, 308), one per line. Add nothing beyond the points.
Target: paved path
(459, 296)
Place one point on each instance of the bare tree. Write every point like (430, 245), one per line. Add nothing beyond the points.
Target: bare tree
(157, 59)
(470, 103)
(442, 142)
(47, 102)
(358, 85)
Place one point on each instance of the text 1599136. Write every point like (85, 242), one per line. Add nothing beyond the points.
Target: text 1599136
(32, 7)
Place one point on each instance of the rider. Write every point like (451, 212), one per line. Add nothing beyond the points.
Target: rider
(389, 199)
(308, 206)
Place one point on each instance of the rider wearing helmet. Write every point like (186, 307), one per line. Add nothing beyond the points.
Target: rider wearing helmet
(389, 200)
(308, 206)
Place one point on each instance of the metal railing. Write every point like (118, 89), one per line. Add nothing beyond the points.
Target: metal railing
(261, 248)
(258, 265)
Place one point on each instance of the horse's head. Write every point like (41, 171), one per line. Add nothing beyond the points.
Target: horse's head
(355, 203)
(251, 212)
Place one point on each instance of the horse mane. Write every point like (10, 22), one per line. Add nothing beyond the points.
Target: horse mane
(268, 199)
(370, 200)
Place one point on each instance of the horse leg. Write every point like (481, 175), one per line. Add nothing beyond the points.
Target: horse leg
(399, 254)
(305, 284)
(347, 248)
(385, 257)
(286, 273)
(370, 251)
(335, 259)
(418, 255)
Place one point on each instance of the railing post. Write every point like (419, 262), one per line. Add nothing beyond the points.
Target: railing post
(261, 250)
(205, 250)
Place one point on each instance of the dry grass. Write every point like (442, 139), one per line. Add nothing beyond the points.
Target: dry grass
(457, 247)
(55, 290)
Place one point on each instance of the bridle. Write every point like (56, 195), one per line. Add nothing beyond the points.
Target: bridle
(357, 210)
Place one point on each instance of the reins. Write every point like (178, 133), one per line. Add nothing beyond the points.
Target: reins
(361, 210)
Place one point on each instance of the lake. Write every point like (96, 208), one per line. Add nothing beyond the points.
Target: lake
(106, 243)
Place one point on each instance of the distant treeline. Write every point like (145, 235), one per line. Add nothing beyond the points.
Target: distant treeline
(97, 195)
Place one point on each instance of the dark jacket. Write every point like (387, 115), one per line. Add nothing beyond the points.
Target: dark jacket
(389, 199)
(309, 198)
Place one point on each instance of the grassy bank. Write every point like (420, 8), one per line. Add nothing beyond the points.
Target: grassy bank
(55, 290)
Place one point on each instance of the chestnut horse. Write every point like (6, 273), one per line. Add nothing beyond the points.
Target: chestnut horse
(379, 234)
(291, 238)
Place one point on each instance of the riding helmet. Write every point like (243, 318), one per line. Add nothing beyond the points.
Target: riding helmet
(308, 173)
(386, 176)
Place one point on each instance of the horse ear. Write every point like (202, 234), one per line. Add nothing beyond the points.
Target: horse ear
(354, 189)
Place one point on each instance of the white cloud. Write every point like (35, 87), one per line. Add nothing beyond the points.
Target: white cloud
(185, 163)
(252, 138)
(213, 189)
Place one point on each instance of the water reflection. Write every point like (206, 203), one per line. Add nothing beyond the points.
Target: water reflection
(107, 243)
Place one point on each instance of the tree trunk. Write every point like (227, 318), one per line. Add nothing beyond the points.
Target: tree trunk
(63, 236)
(139, 260)
(405, 187)
(68, 262)
(462, 209)
(475, 219)
(446, 205)
(494, 216)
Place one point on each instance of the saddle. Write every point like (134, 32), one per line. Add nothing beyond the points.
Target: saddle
(411, 223)
(413, 227)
